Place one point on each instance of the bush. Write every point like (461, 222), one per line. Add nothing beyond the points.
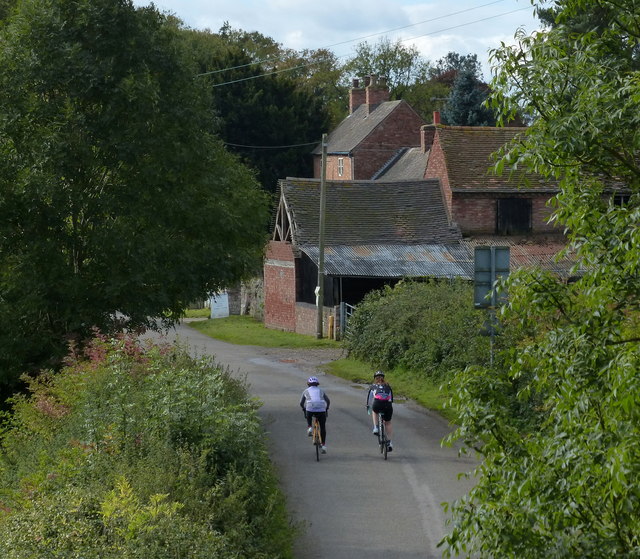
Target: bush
(428, 328)
(135, 452)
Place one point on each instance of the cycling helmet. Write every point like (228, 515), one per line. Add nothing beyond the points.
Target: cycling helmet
(313, 380)
(378, 374)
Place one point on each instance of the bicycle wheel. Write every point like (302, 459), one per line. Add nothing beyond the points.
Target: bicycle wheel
(316, 437)
(382, 435)
(386, 446)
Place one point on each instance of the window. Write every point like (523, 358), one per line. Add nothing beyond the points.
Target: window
(513, 216)
(340, 166)
(621, 199)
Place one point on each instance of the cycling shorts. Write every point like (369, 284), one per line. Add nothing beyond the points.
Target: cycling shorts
(384, 407)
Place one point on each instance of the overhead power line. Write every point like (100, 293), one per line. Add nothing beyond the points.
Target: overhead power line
(275, 59)
(273, 147)
(342, 56)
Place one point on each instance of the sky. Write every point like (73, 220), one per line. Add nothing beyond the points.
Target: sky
(434, 27)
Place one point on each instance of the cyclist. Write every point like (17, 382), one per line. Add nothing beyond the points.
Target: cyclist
(380, 399)
(314, 401)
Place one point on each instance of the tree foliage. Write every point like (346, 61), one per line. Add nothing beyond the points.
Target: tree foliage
(269, 116)
(563, 484)
(465, 105)
(402, 66)
(117, 202)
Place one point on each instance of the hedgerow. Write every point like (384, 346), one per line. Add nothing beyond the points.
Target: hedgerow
(428, 328)
(136, 451)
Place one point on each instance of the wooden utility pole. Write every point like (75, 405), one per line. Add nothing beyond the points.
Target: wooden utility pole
(323, 195)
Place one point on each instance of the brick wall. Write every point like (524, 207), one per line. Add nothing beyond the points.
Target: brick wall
(280, 287)
(475, 214)
(332, 168)
(400, 129)
(307, 319)
(437, 169)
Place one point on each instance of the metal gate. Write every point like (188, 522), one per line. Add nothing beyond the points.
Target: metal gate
(346, 311)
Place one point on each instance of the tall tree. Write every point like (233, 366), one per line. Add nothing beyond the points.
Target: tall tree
(267, 116)
(117, 203)
(558, 430)
(448, 67)
(465, 104)
(402, 66)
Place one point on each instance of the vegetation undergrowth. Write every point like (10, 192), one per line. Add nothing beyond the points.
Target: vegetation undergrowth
(246, 330)
(138, 451)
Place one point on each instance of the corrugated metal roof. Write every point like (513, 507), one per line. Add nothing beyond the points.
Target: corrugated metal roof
(395, 261)
(529, 252)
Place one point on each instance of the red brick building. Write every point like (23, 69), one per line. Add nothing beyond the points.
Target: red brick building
(375, 131)
(404, 199)
(510, 209)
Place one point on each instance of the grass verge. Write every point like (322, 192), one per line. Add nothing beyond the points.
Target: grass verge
(425, 392)
(245, 330)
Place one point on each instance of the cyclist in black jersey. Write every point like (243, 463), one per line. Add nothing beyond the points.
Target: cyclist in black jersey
(380, 399)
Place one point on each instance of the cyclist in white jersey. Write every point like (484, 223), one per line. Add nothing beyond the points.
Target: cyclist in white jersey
(314, 401)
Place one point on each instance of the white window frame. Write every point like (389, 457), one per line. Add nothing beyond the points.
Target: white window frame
(340, 166)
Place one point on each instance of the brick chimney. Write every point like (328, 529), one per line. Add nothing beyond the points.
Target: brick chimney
(376, 92)
(356, 96)
(427, 133)
(436, 117)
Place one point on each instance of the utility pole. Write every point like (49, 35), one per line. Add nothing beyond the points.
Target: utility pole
(323, 195)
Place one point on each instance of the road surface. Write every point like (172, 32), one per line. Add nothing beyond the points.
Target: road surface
(352, 504)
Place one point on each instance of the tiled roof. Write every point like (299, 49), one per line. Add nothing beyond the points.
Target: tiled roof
(410, 165)
(368, 212)
(468, 151)
(356, 127)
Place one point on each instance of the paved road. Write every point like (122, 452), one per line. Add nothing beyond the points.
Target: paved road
(352, 504)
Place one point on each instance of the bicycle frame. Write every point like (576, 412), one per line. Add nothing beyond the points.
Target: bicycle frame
(315, 436)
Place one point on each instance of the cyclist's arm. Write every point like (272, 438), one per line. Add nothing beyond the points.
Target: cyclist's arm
(303, 399)
(326, 399)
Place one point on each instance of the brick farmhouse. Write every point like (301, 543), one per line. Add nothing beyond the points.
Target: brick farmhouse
(403, 199)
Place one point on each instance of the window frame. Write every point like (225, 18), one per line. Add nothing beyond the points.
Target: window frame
(514, 216)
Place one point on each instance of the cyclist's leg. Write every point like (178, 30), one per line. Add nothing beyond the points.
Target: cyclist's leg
(387, 424)
(322, 419)
(388, 429)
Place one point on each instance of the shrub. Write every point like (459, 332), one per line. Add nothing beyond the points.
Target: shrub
(135, 452)
(428, 328)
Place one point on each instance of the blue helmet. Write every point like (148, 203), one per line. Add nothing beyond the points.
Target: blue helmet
(313, 380)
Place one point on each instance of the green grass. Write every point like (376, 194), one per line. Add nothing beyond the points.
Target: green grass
(198, 313)
(423, 391)
(245, 330)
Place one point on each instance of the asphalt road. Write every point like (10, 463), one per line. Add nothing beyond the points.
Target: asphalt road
(352, 504)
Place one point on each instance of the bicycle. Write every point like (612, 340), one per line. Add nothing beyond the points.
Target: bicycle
(382, 435)
(315, 436)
